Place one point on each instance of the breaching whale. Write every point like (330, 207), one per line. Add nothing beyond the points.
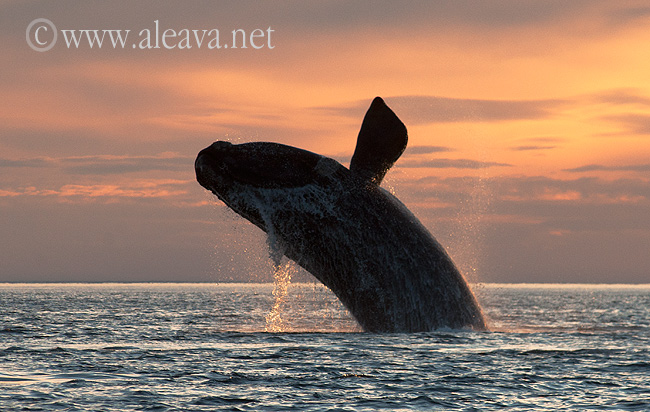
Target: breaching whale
(343, 228)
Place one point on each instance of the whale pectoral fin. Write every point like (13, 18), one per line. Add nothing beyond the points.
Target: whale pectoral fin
(381, 141)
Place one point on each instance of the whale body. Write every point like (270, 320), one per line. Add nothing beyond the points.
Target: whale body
(338, 223)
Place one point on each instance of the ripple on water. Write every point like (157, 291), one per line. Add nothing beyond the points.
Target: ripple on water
(169, 348)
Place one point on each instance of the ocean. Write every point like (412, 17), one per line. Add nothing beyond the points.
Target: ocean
(261, 347)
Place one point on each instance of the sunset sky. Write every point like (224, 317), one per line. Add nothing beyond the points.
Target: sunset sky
(529, 132)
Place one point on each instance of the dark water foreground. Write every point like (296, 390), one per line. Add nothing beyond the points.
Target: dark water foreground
(204, 347)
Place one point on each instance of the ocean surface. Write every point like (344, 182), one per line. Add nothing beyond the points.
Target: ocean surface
(261, 347)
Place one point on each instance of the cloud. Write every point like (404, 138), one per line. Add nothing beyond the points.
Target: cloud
(20, 163)
(545, 139)
(481, 55)
(627, 96)
(466, 13)
(633, 123)
(623, 168)
(537, 143)
(451, 163)
(628, 14)
(582, 193)
(142, 189)
(108, 164)
(532, 147)
(9, 193)
(434, 109)
(46, 239)
(513, 194)
(506, 226)
(576, 205)
(416, 110)
(418, 150)
(98, 178)
(328, 16)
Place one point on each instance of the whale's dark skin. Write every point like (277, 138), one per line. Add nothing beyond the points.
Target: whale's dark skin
(338, 224)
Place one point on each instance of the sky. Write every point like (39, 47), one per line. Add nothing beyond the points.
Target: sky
(528, 121)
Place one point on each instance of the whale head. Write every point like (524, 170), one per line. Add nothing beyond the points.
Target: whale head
(240, 175)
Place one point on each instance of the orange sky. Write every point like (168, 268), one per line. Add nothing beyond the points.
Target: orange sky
(529, 133)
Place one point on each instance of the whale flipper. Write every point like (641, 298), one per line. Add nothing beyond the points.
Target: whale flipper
(381, 141)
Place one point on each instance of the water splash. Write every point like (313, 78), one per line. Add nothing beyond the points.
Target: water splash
(283, 269)
(282, 275)
(471, 225)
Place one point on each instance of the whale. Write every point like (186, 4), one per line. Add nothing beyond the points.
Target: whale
(341, 226)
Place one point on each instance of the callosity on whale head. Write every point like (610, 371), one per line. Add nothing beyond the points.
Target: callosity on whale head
(338, 224)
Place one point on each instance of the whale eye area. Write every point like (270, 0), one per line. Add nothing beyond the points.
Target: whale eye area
(261, 164)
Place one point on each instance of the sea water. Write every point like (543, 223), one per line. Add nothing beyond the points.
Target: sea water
(205, 347)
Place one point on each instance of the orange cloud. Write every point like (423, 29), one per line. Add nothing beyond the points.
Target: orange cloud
(138, 189)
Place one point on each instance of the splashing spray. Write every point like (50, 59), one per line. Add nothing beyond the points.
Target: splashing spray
(282, 275)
